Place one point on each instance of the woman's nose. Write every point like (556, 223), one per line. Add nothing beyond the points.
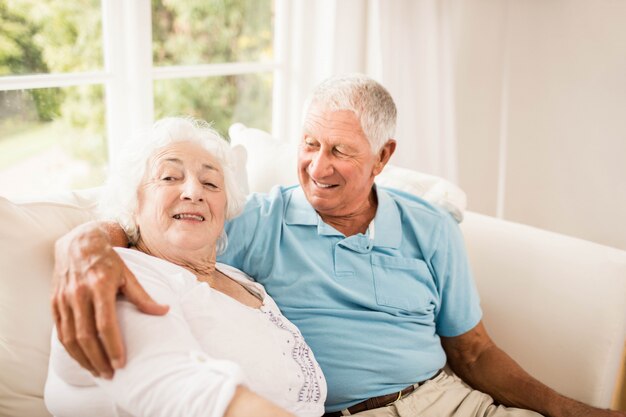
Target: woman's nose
(192, 190)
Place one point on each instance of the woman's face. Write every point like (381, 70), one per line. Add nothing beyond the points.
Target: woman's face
(181, 202)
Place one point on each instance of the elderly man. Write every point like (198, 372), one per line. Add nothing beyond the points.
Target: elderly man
(377, 280)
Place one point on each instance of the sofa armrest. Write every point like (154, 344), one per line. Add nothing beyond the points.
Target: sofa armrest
(553, 302)
(28, 231)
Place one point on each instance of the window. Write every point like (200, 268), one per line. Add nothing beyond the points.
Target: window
(77, 79)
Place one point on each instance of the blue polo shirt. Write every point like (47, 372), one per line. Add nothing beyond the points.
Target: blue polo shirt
(371, 306)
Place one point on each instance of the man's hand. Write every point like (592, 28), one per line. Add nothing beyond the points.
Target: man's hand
(88, 274)
(475, 358)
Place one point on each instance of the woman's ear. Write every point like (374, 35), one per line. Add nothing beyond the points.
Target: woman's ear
(384, 154)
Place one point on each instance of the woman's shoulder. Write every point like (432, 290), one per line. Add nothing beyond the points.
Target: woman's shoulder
(151, 270)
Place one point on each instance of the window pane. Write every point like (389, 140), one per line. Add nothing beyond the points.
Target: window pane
(51, 140)
(49, 36)
(222, 100)
(211, 31)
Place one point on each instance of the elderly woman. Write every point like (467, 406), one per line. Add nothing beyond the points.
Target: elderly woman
(224, 348)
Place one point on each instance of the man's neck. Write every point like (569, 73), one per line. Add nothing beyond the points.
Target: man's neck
(355, 222)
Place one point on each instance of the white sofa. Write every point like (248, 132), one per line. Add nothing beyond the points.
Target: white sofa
(556, 304)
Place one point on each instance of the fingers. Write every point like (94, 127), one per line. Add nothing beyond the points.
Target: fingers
(108, 329)
(106, 315)
(87, 335)
(135, 293)
(64, 322)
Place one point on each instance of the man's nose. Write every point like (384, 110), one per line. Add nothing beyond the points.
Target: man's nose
(192, 190)
(320, 166)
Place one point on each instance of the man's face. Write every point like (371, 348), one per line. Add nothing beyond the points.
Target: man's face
(336, 165)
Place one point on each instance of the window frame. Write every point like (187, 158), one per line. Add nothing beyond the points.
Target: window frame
(128, 72)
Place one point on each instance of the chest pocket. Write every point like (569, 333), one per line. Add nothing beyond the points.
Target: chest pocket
(403, 283)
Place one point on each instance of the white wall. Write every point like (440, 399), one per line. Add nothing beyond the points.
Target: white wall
(540, 94)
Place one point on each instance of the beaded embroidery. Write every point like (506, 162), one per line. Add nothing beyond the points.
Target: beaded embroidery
(301, 353)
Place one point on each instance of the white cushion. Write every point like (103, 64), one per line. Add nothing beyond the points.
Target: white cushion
(273, 162)
(433, 189)
(240, 160)
(270, 161)
(29, 230)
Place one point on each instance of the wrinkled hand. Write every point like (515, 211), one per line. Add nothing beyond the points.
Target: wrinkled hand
(602, 413)
(88, 274)
(583, 410)
(610, 413)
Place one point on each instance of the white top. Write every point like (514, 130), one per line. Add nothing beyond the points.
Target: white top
(189, 362)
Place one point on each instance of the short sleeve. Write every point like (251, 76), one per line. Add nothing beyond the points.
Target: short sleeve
(459, 309)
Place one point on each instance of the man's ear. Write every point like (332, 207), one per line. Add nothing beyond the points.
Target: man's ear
(384, 154)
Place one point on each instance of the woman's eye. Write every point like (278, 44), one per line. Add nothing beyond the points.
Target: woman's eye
(168, 178)
(210, 185)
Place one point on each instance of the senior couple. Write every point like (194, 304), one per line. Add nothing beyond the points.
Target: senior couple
(375, 281)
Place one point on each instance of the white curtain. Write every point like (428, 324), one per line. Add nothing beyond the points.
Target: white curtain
(323, 38)
(404, 44)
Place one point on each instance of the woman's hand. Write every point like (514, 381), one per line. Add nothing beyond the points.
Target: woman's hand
(88, 274)
(246, 403)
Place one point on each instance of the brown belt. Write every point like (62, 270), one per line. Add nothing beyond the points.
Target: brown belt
(381, 401)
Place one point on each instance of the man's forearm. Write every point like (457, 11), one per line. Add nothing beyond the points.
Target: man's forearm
(117, 236)
(90, 234)
(497, 374)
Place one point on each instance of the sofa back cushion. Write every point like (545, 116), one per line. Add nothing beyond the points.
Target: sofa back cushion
(28, 231)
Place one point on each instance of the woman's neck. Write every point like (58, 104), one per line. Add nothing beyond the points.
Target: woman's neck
(202, 265)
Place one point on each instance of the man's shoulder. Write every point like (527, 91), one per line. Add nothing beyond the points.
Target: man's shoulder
(414, 206)
(277, 197)
(418, 216)
(262, 210)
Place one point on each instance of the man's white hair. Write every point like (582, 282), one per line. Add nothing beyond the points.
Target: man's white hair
(371, 103)
(119, 199)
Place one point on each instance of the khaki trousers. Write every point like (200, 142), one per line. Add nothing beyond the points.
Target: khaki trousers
(446, 396)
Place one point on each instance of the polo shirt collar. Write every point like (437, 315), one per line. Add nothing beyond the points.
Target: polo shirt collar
(299, 211)
(387, 224)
